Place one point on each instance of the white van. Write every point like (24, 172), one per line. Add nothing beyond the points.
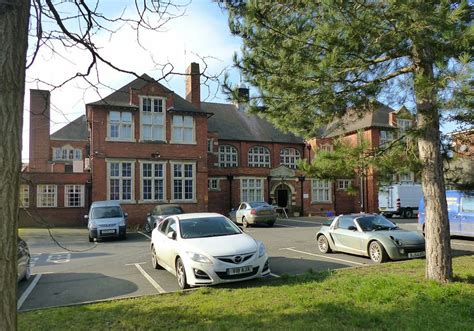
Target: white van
(106, 219)
(400, 199)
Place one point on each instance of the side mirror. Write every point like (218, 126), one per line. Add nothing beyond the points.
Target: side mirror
(86, 217)
(232, 209)
(125, 215)
(148, 214)
(352, 227)
(155, 225)
(171, 235)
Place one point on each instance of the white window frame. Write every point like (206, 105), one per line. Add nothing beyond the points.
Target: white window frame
(386, 136)
(183, 127)
(72, 154)
(404, 124)
(121, 124)
(259, 157)
(321, 188)
(46, 191)
(24, 196)
(182, 178)
(210, 145)
(344, 184)
(153, 178)
(214, 184)
(121, 179)
(232, 152)
(153, 126)
(77, 189)
(252, 184)
(289, 157)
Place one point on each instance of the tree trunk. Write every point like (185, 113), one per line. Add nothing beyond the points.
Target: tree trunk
(438, 246)
(14, 17)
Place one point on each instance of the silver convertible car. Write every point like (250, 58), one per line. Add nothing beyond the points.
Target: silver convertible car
(370, 235)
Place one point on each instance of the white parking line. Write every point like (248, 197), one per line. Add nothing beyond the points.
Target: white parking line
(325, 257)
(144, 234)
(300, 221)
(151, 280)
(286, 226)
(28, 290)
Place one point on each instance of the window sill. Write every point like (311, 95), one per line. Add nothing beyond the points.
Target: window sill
(183, 143)
(320, 202)
(143, 141)
(152, 201)
(108, 139)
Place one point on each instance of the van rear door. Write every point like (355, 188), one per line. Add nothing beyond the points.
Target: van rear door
(467, 215)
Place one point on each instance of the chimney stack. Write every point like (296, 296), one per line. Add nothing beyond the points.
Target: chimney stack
(243, 95)
(39, 131)
(193, 84)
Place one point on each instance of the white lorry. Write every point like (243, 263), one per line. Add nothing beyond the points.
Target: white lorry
(400, 199)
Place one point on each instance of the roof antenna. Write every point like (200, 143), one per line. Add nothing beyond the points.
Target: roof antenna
(185, 62)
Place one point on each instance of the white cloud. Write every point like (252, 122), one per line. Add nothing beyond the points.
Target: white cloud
(203, 31)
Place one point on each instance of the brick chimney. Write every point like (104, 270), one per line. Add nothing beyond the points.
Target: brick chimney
(39, 131)
(193, 84)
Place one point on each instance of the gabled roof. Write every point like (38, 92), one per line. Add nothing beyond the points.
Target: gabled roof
(121, 97)
(232, 124)
(353, 121)
(74, 131)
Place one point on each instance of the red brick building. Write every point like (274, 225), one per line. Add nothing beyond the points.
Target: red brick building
(145, 145)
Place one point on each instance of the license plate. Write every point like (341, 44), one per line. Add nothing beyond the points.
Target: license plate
(416, 254)
(107, 231)
(240, 270)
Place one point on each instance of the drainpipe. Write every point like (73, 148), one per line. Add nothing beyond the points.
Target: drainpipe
(269, 178)
(301, 180)
(230, 178)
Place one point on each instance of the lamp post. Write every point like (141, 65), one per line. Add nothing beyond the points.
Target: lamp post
(301, 179)
(230, 178)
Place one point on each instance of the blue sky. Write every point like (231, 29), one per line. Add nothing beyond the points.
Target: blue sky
(203, 30)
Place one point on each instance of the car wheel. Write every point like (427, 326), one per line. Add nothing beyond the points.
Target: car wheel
(181, 274)
(323, 244)
(271, 224)
(377, 252)
(124, 236)
(90, 238)
(27, 270)
(245, 223)
(388, 215)
(154, 259)
(408, 213)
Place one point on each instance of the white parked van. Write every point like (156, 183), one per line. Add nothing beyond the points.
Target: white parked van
(400, 199)
(106, 219)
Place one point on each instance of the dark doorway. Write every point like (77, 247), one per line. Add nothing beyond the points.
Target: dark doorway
(282, 197)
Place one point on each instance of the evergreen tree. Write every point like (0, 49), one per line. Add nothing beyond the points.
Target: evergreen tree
(311, 61)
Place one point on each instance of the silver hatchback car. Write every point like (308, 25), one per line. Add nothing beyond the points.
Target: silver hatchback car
(248, 213)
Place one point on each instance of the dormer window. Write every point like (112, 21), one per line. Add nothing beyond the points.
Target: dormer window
(66, 153)
(152, 119)
(404, 124)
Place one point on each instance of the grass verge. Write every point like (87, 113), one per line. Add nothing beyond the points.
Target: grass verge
(392, 296)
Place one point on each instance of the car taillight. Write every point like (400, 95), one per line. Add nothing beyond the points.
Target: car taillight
(253, 212)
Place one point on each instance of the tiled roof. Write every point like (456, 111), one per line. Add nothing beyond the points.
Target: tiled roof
(121, 97)
(232, 124)
(353, 121)
(74, 131)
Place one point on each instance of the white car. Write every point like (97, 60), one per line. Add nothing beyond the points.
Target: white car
(205, 249)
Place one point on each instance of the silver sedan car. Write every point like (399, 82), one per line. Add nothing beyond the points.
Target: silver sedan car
(248, 213)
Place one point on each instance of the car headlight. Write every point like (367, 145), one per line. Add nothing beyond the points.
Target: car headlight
(396, 241)
(261, 250)
(93, 224)
(122, 222)
(196, 257)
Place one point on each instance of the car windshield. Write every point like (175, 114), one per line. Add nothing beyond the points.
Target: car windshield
(106, 212)
(259, 204)
(374, 223)
(207, 227)
(171, 210)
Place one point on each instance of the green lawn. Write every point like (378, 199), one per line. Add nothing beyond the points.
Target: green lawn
(391, 296)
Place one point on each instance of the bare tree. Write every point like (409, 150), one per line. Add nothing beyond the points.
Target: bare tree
(72, 24)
